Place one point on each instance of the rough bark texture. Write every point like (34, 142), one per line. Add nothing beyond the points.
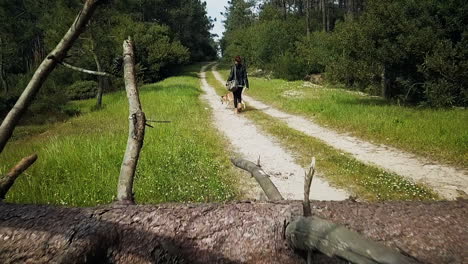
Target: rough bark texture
(46, 67)
(221, 233)
(8, 180)
(137, 123)
(262, 178)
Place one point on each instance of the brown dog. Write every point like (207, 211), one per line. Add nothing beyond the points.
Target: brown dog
(229, 98)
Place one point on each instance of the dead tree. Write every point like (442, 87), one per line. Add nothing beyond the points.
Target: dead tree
(47, 66)
(137, 123)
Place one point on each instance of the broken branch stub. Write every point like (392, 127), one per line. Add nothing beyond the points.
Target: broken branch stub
(307, 184)
(136, 133)
(314, 233)
(7, 181)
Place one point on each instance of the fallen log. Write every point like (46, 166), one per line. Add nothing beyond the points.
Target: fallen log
(245, 232)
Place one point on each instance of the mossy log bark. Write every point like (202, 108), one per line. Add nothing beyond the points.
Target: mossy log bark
(245, 232)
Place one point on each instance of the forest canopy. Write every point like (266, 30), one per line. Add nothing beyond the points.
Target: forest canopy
(167, 34)
(407, 50)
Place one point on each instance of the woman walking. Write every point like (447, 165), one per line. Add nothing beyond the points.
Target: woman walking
(239, 74)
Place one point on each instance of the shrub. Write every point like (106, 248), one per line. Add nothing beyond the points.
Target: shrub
(82, 90)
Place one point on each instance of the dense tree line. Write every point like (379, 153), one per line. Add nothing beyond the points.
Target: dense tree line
(167, 34)
(411, 51)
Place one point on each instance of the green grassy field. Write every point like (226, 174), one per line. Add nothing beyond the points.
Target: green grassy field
(439, 134)
(340, 169)
(79, 160)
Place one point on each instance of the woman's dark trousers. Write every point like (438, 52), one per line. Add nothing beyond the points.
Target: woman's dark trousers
(238, 96)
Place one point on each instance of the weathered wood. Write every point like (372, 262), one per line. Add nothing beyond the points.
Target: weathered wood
(244, 232)
(47, 66)
(314, 233)
(307, 183)
(75, 68)
(9, 179)
(261, 176)
(136, 133)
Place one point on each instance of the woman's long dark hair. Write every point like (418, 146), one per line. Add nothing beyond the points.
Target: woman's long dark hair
(238, 59)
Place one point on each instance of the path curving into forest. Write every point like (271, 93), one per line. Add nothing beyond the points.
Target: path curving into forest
(449, 182)
(249, 142)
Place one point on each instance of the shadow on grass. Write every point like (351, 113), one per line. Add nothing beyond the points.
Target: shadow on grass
(171, 87)
(366, 101)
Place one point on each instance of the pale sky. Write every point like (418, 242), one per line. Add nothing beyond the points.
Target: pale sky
(214, 8)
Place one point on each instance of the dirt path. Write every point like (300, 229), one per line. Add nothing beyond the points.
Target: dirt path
(449, 182)
(249, 142)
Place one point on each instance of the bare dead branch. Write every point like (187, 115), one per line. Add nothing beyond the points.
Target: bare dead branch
(7, 181)
(98, 73)
(261, 176)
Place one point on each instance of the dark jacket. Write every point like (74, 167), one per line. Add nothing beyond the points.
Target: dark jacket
(241, 75)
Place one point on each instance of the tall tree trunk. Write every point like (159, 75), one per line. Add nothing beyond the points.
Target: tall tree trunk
(386, 82)
(350, 8)
(328, 15)
(285, 12)
(136, 133)
(3, 81)
(324, 15)
(46, 67)
(307, 8)
(100, 90)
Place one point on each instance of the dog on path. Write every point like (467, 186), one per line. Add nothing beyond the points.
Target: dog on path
(229, 99)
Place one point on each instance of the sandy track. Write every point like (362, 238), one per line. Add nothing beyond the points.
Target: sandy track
(449, 182)
(249, 142)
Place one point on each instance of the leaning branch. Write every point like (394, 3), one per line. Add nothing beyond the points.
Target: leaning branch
(8, 180)
(314, 233)
(261, 176)
(46, 67)
(98, 73)
(137, 122)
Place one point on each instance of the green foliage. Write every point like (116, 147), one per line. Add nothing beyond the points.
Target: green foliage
(406, 50)
(82, 90)
(156, 51)
(446, 72)
(266, 48)
(418, 45)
